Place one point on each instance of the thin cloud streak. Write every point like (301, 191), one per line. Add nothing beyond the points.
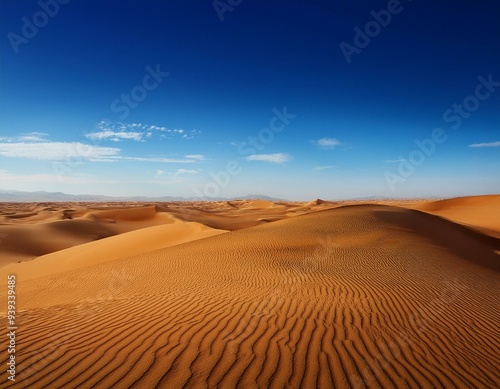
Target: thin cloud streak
(66, 151)
(157, 159)
(324, 167)
(273, 158)
(56, 151)
(9, 178)
(394, 160)
(326, 143)
(490, 144)
(185, 171)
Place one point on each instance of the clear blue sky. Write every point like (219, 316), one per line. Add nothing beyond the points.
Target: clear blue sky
(164, 98)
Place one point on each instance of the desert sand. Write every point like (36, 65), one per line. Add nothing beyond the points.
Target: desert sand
(255, 294)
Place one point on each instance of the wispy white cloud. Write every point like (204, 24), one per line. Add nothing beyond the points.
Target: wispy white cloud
(9, 178)
(197, 157)
(274, 158)
(36, 147)
(490, 144)
(327, 143)
(76, 151)
(191, 134)
(156, 159)
(116, 136)
(33, 137)
(56, 151)
(26, 137)
(324, 167)
(139, 132)
(183, 134)
(395, 160)
(185, 171)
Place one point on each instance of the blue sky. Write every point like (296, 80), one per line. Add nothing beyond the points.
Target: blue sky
(282, 98)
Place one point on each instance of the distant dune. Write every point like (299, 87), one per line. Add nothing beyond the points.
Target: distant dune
(33, 230)
(30, 231)
(350, 296)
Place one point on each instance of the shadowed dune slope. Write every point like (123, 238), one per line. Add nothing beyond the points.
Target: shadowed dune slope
(480, 212)
(51, 230)
(359, 296)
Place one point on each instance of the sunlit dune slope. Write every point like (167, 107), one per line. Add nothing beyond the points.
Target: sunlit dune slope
(357, 296)
(105, 250)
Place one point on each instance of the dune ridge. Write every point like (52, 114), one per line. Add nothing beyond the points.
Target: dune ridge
(115, 247)
(480, 212)
(359, 296)
(35, 230)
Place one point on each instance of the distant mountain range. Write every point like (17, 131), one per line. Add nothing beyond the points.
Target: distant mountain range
(45, 197)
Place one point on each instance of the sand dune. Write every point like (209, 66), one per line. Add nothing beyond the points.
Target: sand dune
(24, 241)
(44, 230)
(33, 230)
(105, 250)
(318, 202)
(356, 296)
(476, 211)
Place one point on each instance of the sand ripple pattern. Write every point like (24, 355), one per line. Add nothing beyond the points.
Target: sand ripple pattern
(358, 296)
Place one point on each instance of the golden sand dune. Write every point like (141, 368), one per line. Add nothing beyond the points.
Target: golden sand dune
(318, 202)
(478, 211)
(27, 235)
(28, 231)
(231, 216)
(26, 242)
(105, 250)
(358, 296)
